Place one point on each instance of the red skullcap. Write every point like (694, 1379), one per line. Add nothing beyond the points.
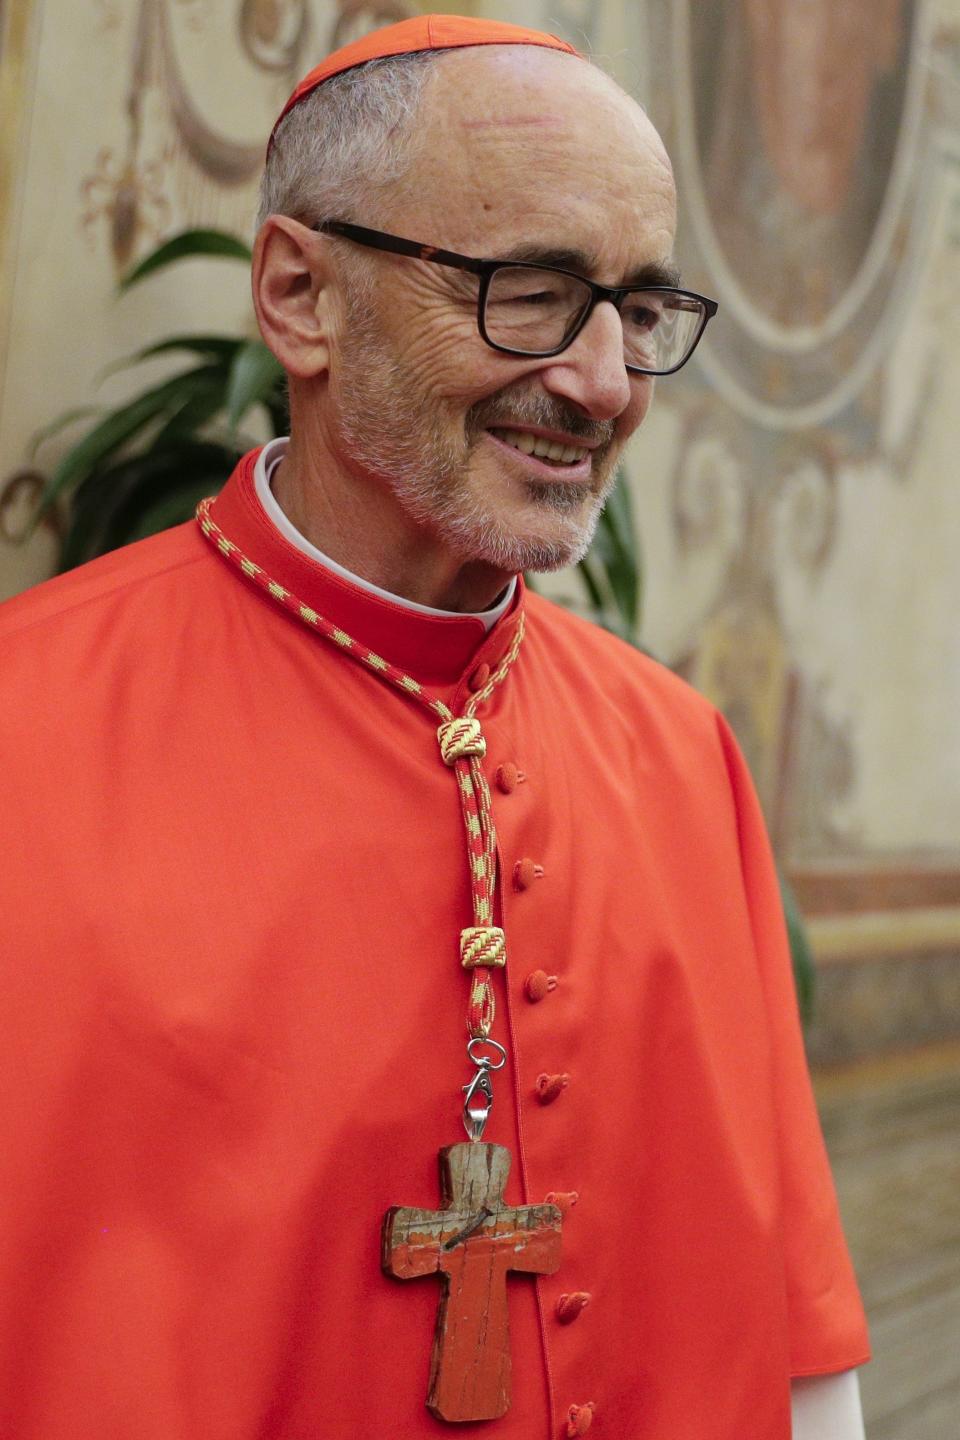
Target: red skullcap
(422, 32)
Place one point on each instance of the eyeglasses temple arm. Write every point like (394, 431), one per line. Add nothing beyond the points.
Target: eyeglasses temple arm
(380, 240)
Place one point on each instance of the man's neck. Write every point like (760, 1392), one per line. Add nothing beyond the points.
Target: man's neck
(365, 530)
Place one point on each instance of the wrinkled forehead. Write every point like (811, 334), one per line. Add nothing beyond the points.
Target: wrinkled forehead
(514, 139)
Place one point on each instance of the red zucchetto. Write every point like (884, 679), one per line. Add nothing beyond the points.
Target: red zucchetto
(422, 32)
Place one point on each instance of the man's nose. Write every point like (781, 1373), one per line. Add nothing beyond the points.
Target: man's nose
(591, 371)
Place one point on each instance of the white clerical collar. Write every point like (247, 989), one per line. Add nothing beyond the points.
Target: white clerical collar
(267, 462)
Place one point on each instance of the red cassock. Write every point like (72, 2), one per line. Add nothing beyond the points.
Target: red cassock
(233, 882)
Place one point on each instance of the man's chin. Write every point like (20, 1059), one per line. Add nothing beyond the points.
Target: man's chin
(543, 559)
(566, 541)
(537, 550)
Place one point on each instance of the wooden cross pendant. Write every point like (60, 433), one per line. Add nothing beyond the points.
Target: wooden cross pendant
(471, 1242)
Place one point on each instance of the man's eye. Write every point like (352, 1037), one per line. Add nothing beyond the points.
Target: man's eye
(528, 298)
(640, 317)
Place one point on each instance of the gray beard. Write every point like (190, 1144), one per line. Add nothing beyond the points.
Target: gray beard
(423, 467)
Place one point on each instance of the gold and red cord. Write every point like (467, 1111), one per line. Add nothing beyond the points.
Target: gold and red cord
(462, 748)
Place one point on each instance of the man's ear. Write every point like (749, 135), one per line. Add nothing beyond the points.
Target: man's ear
(293, 295)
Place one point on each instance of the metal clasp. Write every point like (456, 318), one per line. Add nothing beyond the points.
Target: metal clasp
(478, 1092)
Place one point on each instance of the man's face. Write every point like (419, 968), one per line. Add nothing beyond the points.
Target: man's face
(524, 151)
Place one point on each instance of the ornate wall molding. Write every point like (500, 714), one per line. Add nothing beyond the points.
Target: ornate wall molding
(794, 361)
(821, 241)
(184, 173)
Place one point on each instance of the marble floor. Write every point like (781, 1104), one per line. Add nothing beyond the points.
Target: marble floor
(893, 1132)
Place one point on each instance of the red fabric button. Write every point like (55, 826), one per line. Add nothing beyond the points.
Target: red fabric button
(550, 1086)
(507, 777)
(569, 1307)
(563, 1199)
(538, 985)
(480, 676)
(579, 1419)
(525, 872)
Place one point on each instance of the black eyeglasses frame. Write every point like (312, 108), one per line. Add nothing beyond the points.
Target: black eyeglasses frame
(486, 269)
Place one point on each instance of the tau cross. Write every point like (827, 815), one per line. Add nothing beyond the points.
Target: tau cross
(471, 1242)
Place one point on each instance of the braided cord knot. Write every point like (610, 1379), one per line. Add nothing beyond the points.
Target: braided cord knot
(461, 740)
(482, 945)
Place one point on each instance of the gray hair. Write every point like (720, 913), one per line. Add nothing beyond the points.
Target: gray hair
(351, 136)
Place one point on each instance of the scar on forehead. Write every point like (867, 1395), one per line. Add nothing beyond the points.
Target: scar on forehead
(505, 121)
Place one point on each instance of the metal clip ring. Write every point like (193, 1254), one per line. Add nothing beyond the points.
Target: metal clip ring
(475, 1116)
(482, 1060)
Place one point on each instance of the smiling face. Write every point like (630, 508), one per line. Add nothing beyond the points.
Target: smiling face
(502, 459)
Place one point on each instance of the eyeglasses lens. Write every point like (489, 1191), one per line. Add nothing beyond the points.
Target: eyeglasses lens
(534, 311)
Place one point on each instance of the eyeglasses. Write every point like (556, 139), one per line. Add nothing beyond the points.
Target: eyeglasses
(524, 308)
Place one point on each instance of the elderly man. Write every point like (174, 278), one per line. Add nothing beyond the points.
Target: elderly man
(328, 836)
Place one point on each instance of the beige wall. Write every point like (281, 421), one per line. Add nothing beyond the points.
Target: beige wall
(796, 489)
(796, 486)
(138, 118)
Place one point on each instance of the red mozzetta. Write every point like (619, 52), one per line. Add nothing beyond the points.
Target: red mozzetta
(232, 888)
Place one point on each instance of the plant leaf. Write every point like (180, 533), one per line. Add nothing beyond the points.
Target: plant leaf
(611, 572)
(617, 547)
(211, 347)
(203, 468)
(278, 408)
(187, 245)
(107, 507)
(591, 583)
(255, 376)
(69, 417)
(175, 507)
(92, 507)
(200, 406)
(620, 504)
(117, 428)
(618, 568)
(804, 972)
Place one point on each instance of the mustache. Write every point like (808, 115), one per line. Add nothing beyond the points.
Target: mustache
(509, 407)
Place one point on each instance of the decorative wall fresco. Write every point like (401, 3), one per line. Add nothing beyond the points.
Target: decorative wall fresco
(799, 138)
(151, 117)
(187, 161)
(816, 150)
(813, 147)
